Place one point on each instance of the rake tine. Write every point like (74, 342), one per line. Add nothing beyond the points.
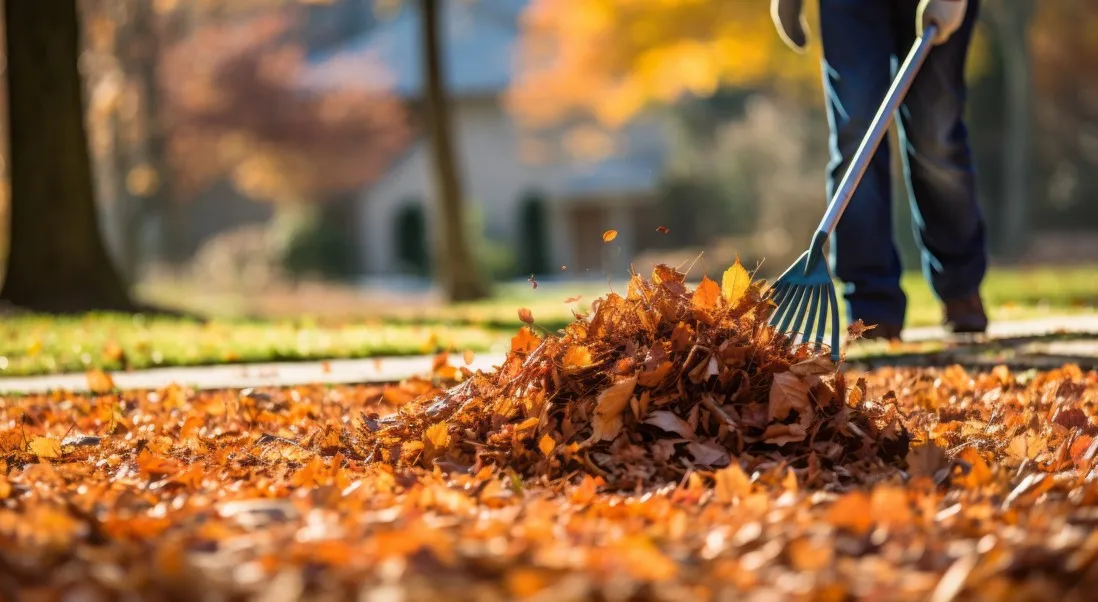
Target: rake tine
(834, 324)
(780, 311)
(780, 290)
(821, 326)
(806, 301)
(817, 292)
(798, 297)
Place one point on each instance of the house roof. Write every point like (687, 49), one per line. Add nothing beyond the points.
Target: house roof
(478, 43)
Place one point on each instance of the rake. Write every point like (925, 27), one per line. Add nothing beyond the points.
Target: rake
(806, 288)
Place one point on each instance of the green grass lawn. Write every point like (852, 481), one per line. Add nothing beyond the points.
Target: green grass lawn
(36, 344)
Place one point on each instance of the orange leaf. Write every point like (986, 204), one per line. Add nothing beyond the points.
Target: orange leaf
(609, 235)
(468, 356)
(547, 444)
(731, 483)
(438, 435)
(651, 378)
(526, 315)
(852, 511)
(525, 341)
(707, 294)
(576, 357)
(99, 382)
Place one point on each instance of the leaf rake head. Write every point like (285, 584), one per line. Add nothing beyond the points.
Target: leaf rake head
(806, 290)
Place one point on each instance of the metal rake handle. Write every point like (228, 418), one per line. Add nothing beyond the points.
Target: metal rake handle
(872, 140)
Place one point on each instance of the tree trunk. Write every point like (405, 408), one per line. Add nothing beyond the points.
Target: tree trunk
(1013, 17)
(58, 261)
(455, 268)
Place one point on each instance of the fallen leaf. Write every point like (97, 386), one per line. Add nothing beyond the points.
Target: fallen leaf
(547, 444)
(707, 294)
(819, 365)
(853, 511)
(577, 357)
(525, 341)
(45, 447)
(926, 460)
(784, 434)
(731, 484)
(99, 382)
(611, 402)
(438, 435)
(735, 283)
(708, 454)
(787, 393)
(671, 423)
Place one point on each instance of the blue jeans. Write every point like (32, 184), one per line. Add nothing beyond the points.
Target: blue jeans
(863, 42)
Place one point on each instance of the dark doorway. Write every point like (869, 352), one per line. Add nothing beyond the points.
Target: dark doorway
(533, 234)
(411, 239)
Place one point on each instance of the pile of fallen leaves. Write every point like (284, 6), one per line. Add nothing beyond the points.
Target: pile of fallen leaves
(646, 389)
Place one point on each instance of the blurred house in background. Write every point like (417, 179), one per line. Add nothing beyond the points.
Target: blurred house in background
(538, 204)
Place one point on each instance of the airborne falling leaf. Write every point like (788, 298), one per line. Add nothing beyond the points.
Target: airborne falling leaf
(609, 235)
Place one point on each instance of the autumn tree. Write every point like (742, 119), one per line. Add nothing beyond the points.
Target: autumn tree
(238, 114)
(612, 60)
(57, 260)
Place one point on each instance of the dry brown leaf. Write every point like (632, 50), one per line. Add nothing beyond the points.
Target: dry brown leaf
(787, 393)
(926, 460)
(547, 445)
(671, 423)
(526, 315)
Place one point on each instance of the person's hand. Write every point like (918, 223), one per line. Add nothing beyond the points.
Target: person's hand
(788, 16)
(948, 15)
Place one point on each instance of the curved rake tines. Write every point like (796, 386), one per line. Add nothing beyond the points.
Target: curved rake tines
(818, 301)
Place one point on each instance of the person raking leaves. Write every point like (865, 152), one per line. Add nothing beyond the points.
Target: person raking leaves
(861, 42)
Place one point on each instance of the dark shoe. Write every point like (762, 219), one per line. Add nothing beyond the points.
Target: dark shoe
(966, 315)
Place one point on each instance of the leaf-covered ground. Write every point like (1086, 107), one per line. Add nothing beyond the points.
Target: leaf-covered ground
(170, 493)
(669, 446)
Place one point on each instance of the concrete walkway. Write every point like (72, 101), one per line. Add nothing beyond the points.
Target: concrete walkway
(398, 368)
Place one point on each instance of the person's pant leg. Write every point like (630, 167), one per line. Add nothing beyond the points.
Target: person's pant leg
(947, 219)
(858, 44)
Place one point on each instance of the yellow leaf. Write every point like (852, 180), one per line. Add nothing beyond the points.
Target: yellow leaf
(707, 294)
(735, 283)
(438, 435)
(547, 444)
(576, 357)
(611, 402)
(44, 447)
